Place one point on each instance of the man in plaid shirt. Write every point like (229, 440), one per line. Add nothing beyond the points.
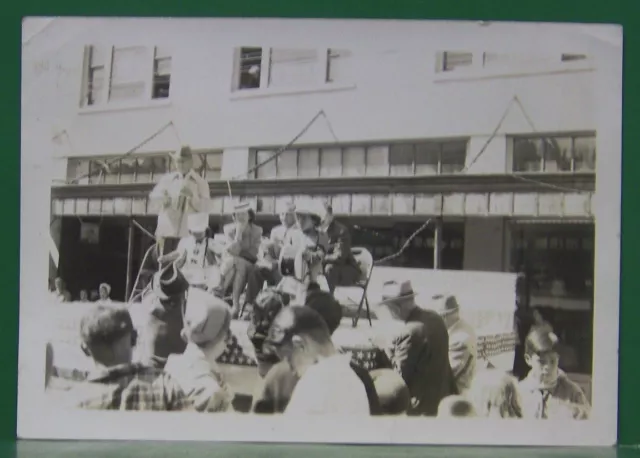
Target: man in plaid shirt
(108, 337)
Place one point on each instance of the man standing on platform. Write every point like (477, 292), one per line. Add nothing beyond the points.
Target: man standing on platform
(181, 193)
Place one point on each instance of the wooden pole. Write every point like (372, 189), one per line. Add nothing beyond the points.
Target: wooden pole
(129, 260)
(437, 243)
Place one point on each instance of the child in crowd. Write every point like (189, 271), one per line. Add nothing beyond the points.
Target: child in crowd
(496, 394)
(547, 391)
(206, 330)
(456, 406)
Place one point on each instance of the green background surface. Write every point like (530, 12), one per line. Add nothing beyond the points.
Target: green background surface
(625, 12)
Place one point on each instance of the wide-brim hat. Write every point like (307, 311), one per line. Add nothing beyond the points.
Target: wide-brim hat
(445, 304)
(198, 222)
(169, 282)
(105, 286)
(394, 291)
(206, 317)
(242, 207)
(314, 209)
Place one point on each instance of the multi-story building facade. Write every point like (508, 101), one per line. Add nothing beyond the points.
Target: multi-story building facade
(414, 133)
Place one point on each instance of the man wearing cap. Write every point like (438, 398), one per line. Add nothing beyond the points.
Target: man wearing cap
(161, 314)
(196, 254)
(340, 267)
(243, 240)
(327, 382)
(206, 330)
(462, 341)
(267, 269)
(108, 338)
(180, 193)
(419, 349)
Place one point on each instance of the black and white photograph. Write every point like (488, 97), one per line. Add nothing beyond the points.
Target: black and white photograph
(333, 231)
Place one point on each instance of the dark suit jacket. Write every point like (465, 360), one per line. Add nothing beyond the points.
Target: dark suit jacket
(339, 245)
(420, 353)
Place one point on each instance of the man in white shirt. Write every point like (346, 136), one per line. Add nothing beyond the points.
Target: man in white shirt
(328, 384)
(181, 193)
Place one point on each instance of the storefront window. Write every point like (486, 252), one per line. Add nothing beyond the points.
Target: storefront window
(554, 154)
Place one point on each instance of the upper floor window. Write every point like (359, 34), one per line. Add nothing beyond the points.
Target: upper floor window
(125, 74)
(406, 159)
(261, 68)
(448, 61)
(552, 154)
(138, 168)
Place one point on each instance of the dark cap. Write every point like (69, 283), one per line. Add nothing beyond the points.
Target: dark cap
(296, 320)
(104, 325)
(326, 305)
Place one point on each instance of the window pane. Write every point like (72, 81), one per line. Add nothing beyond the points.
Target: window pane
(454, 155)
(584, 154)
(127, 170)
(527, 155)
(309, 162)
(161, 166)
(112, 172)
(354, 162)
(377, 161)
(130, 91)
(98, 56)
(330, 162)
(128, 73)
(161, 78)
(427, 157)
(293, 67)
(452, 60)
(213, 166)
(250, 68)
(340, 66)
(401, 157)
(77, 168)
(288, 164)
(557, 154)
(144, 169)
(95, 86)
(267, 170)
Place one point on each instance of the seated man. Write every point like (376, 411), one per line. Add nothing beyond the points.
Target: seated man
(243, 239)
(267, 269)
(340, 267)
(108, 338)
(196, 254)
(328, 383)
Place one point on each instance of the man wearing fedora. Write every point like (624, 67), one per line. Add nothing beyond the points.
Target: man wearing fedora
(180, 193)
(418, 348)
(463, 351)
(340, 267)
(243, 239)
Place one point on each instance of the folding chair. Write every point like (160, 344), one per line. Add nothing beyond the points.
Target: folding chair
(365, 262)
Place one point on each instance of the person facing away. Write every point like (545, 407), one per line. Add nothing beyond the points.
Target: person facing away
(206, 330)
(60, 292)
(547, 391)
(243, 240)
(340, 267)
(108, 338)
(161, 314)
(463, 351)
(496, 394)
(267, 268)
(179, 194)
(456, 406)
(418, 349)
(327, 383)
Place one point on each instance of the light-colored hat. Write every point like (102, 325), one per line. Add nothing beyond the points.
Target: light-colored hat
(183, 153)
(206, 317)
(312, 208)
(393, 290)
(105, 286)
(445, 304)
(198, 222)
(241, 207)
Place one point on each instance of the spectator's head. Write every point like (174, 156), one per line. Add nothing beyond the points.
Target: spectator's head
(84, 295)
(169, 285)
(107, 335)
(265, 309)
(104, 291)
(393, 393)
(397, 300)
(541, 355)
(207, 324)
(242, 213)
(327, 214)
(94, 296)
(325, 305)
(309, 215)
(288, 216)
(198, 224)
(447, 307)
(301, 337)
(456, 406)
(183, 160)
(495, 394)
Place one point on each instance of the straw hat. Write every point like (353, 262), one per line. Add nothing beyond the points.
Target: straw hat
(206, 317)
(198, 222)
(445, 304)
(393, 291)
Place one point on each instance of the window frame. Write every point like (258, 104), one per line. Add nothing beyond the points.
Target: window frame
(107, 102)
(511, 167)
(253, 159)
